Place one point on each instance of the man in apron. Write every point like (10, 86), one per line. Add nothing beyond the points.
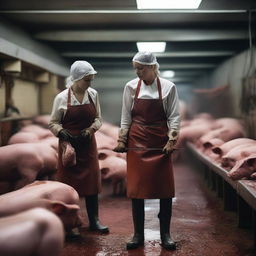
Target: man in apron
(149, 130)
(75, 118)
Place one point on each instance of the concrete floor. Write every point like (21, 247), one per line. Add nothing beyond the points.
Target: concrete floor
(199, 225)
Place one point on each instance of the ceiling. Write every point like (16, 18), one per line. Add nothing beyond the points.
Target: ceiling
(105, 32)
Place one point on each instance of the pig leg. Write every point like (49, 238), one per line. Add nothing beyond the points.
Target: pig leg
(119, 187)
(35, 232)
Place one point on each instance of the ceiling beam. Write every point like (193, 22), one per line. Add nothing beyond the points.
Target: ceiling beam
(141, 35)
(192, 66)
(28, 56)
(135, 11)
(159, 55)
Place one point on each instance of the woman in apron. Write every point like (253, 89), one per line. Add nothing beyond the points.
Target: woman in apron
(149, 130)
(75, 118)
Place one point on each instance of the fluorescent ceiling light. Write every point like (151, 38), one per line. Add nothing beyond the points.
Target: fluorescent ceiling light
(151, 46)
(168, 73)
(168, 4)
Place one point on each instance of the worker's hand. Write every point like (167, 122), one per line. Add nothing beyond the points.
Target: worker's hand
(87, 133)
(169, 147)
(64, 135)
(120, 148)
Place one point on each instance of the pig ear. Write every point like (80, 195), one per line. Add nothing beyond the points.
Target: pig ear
(60, 207)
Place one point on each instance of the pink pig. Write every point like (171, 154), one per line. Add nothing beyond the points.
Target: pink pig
(237, 153)
(243, 168)
(36, 232)
(42, 120)
(55, 196)
(227, 146)
(110, 130)
(38, 130)
(21, 164)
(23, 137)
(114, 169)
(104, 141)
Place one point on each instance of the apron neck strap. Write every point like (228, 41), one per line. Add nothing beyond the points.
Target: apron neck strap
(90, 98)
(138, 89)
(69, 97)
(158, 88)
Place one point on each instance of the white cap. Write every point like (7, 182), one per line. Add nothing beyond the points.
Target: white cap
(145, 58)
(78, 70)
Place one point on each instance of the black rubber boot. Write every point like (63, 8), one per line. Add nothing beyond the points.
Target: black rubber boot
(165, 220)
(73, 234)
(93, 214)
(138, 222)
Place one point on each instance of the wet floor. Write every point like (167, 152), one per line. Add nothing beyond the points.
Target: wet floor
(199, 225)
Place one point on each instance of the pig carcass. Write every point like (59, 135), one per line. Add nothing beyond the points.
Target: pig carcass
(208, 146)
(42, 120)
(38, 130)
(104, 153)
(193, 132)
(110, 130)
(225, 129)
(236, 154)
(29, 137)
(227, 146)
(55, 196)
(21, 164)
(114, 168)
(51, 141)
(104, 141)
(225, 134)
(23, 137)
(243, 168)
(231, 123)
(36, 232)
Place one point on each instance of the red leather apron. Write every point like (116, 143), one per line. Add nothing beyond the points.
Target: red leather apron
(149, 172)
(85, 175)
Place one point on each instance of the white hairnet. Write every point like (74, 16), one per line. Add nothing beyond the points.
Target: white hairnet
(145, 58)
(78, 70)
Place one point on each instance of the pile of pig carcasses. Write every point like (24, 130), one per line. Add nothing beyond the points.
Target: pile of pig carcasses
(29, 194)
(224, 142)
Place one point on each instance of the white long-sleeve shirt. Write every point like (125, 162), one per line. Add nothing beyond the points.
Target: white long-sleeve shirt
(60, 108)
(169, 97)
